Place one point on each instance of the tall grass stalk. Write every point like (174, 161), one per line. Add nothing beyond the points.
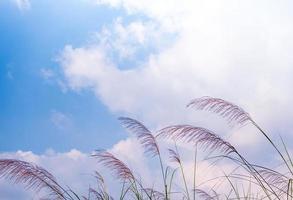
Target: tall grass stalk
(261, 182)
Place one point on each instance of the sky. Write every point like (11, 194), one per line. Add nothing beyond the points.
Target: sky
(70, 68)
(37, 113)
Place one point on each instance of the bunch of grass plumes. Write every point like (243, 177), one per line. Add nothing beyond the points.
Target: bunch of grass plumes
(258, 182)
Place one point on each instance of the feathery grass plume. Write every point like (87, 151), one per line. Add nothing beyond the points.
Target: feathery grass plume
(233, 113)
(144, 136)
(224, 108)
(174, 156)
(95, 194)
(32, 176)
(99, 178)
(197, 135)
(276, 180)
(154, 194)
(147, 140)
(206, 196)
(117, 166)
(120, 169)
(209, 141)
(273, 177)
(101, 191)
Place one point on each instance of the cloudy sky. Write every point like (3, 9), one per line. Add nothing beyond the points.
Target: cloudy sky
(69, 68)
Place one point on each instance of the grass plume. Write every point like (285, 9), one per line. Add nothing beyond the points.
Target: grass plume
(261, 182)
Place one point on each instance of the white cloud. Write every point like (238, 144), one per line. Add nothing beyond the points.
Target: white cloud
(46, 73)
(237, 50)
(60, 120)
(23, 4)
(171, 14)
(122, 41)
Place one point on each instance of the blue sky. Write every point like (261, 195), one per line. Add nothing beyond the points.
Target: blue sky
(69, 68)
(30, 41)
(32, 85)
